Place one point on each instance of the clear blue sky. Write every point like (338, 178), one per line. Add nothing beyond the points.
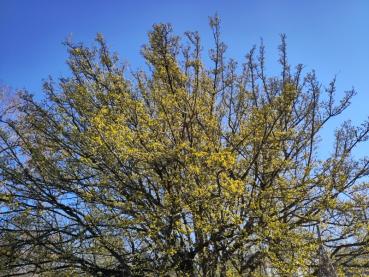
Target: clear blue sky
(331, 36)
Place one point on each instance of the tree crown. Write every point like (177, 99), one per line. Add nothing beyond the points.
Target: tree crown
(182, 169)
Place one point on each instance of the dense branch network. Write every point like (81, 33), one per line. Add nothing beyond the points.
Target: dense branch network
(181, 170)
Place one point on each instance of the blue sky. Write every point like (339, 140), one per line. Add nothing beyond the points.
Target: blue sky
(330, 36)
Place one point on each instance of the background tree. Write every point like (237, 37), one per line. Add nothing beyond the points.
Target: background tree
(181, 170)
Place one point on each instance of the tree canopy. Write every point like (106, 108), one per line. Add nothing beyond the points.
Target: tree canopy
(183, 169)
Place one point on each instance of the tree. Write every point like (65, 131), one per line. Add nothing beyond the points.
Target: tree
(181, 170)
